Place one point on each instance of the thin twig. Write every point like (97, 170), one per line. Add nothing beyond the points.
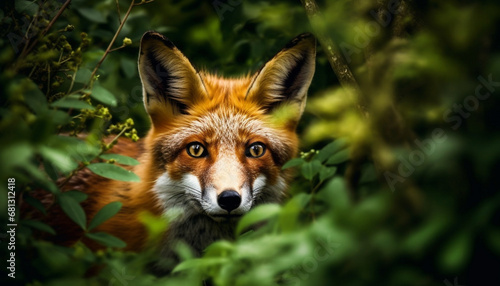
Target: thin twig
(118, 11)
(59, 13)
(72, 81)
(48, 80)
(115, 49)
(94, 72)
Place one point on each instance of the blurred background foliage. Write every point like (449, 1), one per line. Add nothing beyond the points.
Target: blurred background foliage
(407, 196)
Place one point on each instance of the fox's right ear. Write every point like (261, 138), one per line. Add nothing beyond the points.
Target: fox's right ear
(170, 83)
(280, 87)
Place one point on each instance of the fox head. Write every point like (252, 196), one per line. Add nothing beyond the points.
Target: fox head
(218, 145)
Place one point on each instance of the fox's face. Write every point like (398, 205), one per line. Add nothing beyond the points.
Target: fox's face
(219, 144)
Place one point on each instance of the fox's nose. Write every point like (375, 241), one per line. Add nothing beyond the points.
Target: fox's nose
(229, 200)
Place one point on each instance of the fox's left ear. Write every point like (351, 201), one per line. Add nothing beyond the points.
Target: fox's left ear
(282, 84)
(171, 85)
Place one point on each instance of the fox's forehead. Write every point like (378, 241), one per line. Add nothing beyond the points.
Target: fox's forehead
(223, 89)
(225, 127)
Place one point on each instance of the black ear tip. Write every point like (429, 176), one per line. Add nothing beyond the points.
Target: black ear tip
(152, 35)
(300, 38)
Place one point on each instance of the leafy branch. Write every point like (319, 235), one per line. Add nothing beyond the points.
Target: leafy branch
(113, 40)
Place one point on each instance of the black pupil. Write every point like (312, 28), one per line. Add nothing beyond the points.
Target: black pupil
(256, 149)
(196, 149)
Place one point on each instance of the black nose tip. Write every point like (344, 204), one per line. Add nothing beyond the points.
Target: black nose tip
(229, 200)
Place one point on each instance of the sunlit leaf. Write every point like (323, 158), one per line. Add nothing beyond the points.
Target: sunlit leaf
(120, 159)
(199, 263)
(291, 210)
(113, 172)
(310, 169)
(293, 163)
(103, 95)
(339, 157)
(58, 158)
(257, 214)
(70, 102)
(330, 150)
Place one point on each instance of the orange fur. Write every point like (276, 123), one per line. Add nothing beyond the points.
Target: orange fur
(225, 116)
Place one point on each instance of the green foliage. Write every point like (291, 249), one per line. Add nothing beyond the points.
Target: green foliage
(400, 185)
(106, 239)
(104, 214)
(113, 172)
(72, 208)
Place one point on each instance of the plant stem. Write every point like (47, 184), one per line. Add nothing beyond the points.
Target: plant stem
(94, 72)
(118, 11)
(337, 62)
(27, 49)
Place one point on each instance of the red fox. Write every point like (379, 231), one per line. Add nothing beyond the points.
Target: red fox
(214, 151)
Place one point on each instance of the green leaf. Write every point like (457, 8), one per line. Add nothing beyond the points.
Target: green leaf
(330, 149)
(200, 263)
(120, 159)
(77, 195)
(339, 157)
(58, 159)
(71, 102)
(456, 252)
(336, 194)
(423, 236)
(35, 203)
(25, 6)
(34, 97)
(493, 238)
(83, 75)
(103, 95)
(104, 214)
(259, 213)
(106, 239)
(293, 163)
(39, 225)
(59, 117)
(326, 172)
(291, 210)
(219, 248)
(77, 149)
(93, 15)
(310, 169)
(113, 172)
(72, 208)
(129, 67)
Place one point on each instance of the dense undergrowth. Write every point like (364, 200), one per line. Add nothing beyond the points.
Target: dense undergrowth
(404, 187)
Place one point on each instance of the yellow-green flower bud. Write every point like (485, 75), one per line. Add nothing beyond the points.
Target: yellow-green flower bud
(127, 41)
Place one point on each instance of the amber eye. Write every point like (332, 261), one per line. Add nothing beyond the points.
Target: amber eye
(255, 150)
(196, 150)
